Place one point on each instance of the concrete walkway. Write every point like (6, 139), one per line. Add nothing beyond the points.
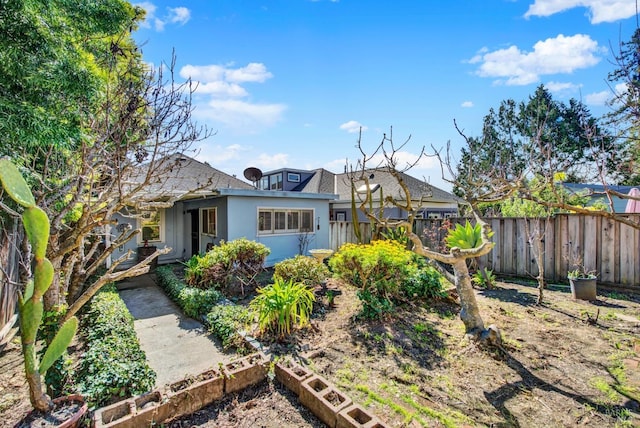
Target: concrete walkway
(176, 345)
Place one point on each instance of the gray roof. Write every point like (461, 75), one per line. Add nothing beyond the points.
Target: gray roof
(327, 182)
(178, 177)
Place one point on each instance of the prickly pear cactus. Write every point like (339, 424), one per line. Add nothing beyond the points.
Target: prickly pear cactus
(36, 225)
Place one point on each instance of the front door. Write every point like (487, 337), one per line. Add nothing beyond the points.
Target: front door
(195, 232)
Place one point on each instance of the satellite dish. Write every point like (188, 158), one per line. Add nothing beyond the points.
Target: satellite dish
(253, 174)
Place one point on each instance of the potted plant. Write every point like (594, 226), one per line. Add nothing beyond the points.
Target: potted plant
(65, 411)
(583, 283)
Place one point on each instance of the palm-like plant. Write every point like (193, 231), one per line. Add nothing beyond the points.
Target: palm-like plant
(282, 305)
(465, 237)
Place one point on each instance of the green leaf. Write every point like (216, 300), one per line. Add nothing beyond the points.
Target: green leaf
(15, 185)
(59, 343)
(36, 224)
(30, 319)
(43, 276)
(28, 292)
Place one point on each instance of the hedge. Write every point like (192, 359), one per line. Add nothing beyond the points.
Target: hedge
(195, 302)
(114, 365)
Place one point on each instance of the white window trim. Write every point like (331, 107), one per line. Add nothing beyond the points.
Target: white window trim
(274, 232)
(162, 213)
(202, 211)
(293, 177)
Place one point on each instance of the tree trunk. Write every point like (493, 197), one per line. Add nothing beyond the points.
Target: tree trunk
(469, 312)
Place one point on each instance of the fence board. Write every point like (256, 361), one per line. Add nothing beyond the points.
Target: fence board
(607, 250)
(628, 256)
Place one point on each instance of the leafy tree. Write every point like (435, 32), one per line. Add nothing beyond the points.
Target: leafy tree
(93, 126)
(625, 116)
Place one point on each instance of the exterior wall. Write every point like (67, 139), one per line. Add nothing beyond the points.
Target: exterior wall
(172, 236)
(286, 184)
(243, 222)
(222, 225)
(237, 217)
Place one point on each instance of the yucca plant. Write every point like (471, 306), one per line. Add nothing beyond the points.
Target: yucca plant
(282, 305)
(465, 237)
(36, 226)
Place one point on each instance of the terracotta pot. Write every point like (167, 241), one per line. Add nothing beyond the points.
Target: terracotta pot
(72, 422)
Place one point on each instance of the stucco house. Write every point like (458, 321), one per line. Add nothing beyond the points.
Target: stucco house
(193, 206)
(430, 201)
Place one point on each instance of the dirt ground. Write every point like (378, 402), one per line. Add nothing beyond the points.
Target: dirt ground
(559, 367)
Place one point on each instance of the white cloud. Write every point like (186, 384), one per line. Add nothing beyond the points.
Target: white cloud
(175, 15)
(562, 54)
(218, 154)
(265, 161)
(353, 126)
(179, 15)
(222, 97)
(426, 163)
(603, 97)
(598, 98)
(467, 104)
(599, 10)
(240, 115)
(557, 87)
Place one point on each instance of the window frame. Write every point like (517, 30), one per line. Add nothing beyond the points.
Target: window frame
(215, 222)
(276, 181)
(160, 225)
(282, 218)
(293, 177)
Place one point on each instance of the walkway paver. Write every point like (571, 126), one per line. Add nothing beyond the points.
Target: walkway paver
(176, 345)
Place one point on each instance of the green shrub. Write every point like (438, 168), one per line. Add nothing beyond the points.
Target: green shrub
(425, 283)
(114, 364)
(307, 270)
(234, 263)
(374, 306)
(385, 271)
(484, 278)
(379, 267)
(225, 321)
(193, 301)
(283, 305)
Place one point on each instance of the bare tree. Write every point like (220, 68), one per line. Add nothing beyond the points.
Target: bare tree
(386, 155)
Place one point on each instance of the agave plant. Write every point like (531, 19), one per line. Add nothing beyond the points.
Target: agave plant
(465, 237)
(36, 226)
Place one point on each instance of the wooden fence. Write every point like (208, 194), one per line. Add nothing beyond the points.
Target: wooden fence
(608, 247)
(9, 260)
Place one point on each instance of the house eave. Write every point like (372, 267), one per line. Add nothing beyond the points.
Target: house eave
(274, 194)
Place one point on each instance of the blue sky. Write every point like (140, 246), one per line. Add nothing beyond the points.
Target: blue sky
(288, 83)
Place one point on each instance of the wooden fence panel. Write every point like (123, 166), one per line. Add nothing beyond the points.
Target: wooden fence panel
(610, 248)
(607, 249)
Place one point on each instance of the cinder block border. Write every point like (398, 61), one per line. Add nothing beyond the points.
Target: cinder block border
(183, 397)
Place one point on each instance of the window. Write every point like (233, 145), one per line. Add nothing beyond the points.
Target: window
(210, 221)
(282, 220)
(341, 216)
(265, 223)
(264, 183)
(293, 177)
(152, 226)
(276, 181)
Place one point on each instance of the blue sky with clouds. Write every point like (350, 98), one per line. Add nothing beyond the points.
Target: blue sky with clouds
(288, 83)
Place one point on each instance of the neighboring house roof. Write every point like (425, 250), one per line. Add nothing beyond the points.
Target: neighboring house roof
(596, 193)
(324, 181)
(179, 177)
